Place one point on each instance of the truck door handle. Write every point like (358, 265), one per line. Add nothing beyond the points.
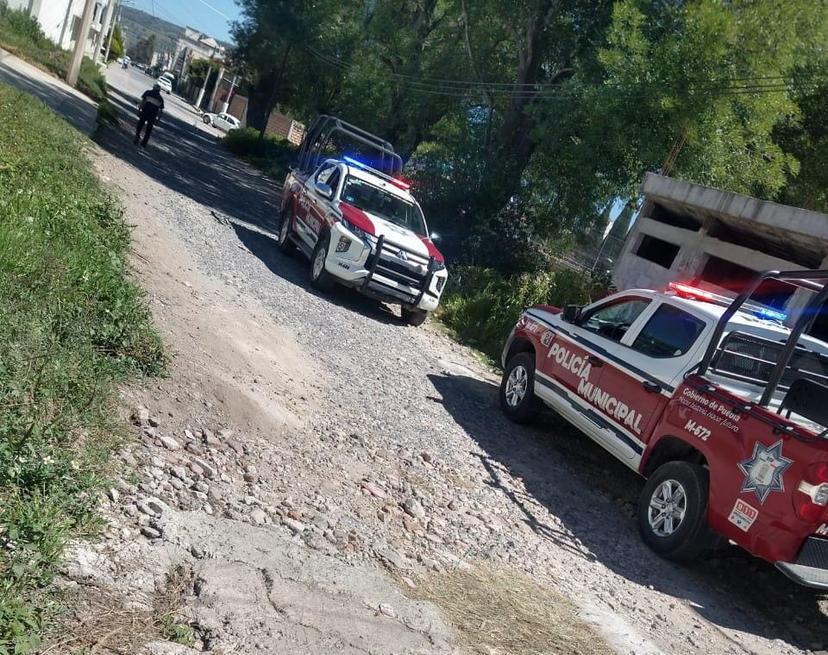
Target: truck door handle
(652, 387)
(594, 361)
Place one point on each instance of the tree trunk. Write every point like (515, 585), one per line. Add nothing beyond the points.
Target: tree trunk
(513, 143)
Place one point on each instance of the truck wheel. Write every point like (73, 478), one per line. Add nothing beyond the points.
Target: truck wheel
(672, 511)
(319, 277)
(414, 317)
(285, 244)
(517, 395)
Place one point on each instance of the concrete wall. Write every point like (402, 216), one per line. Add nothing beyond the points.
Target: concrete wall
(695, 248)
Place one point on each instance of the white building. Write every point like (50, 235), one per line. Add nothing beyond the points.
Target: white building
(193, 45)
(60, 20)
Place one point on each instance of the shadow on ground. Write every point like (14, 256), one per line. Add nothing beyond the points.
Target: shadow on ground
(76, 110)
(191, 161)
(731, 589)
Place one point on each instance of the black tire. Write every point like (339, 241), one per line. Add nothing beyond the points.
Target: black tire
(413, 317)
(688, 539)
(525, 407)
(285, 244)
(207, 120)
(320, 278)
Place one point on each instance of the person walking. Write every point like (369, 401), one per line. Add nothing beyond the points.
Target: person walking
(149, 113)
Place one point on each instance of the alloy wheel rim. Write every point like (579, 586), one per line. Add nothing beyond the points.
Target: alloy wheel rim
(667, 509)
(318, 263)
(283, 233)
(516, 386)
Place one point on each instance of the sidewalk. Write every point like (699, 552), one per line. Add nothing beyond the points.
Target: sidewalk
(74, 107)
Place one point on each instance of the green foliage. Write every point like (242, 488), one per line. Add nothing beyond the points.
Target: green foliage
(116, 45)
(71, 326)
(198, 70)
(271, 154)
(481, 306)
(91, 81)
(179, 633)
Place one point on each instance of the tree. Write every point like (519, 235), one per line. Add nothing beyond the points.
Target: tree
(144, 50)
(116, 47)
(270, 49)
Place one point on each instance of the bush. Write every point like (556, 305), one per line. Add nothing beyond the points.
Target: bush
(481, 305)
(272, 154)
(91, 81)
(71, 327)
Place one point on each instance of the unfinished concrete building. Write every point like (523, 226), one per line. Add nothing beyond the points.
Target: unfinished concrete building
(717, 240)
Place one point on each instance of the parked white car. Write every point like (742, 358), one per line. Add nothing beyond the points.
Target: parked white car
(165, 84)
(222, 121)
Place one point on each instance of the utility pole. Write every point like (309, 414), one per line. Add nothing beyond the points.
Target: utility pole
(204, 86)
(80, 43)
(215, 89)
(106, 31)
(112, 31)
(226, 104)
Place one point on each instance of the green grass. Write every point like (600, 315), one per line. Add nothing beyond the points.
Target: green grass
(272, 155)
(71, 327)
(21, 35)
(480, 305)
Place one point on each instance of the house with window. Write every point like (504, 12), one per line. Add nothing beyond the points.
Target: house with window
(60, 20)
(718, 240)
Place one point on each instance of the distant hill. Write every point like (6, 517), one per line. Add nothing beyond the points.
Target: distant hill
(137, 24)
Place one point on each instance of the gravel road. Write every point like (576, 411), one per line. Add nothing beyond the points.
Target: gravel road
(387, 439)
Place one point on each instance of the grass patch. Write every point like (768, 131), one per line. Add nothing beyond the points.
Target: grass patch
(21, 35)
(273, 155)
(71, 327)
(480, 305)
(504, 612)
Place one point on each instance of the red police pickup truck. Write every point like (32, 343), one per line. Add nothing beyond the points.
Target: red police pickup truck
(720, 403)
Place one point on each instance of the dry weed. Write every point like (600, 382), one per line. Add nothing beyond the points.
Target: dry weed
(502, 612)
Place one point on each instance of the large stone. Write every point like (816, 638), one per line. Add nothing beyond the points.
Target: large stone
(169, 443)
(413, 508)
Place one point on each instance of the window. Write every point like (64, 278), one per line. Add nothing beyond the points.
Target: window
(670, 332)
(325, 173)
(667, 216)
(333, 180)
(657, 251)
(383, 204)
(612, 321)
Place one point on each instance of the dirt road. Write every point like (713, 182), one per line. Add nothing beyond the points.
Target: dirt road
(307, 449)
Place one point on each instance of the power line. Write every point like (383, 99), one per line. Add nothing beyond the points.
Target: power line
(461, 88)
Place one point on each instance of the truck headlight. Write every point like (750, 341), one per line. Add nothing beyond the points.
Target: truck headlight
(359, 232)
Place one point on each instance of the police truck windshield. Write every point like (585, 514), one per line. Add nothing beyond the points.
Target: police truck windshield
(372, 199)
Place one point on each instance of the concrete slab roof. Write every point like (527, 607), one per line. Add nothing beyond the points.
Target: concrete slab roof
(697, 200)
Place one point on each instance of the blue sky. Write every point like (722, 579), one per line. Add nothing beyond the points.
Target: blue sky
(210, 16)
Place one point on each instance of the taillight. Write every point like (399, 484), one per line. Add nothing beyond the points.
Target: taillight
(815, 489)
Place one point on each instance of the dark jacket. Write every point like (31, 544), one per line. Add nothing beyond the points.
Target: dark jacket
(151, 104)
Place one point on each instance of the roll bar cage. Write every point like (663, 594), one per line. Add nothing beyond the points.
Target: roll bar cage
(802, 279)
(322, 133)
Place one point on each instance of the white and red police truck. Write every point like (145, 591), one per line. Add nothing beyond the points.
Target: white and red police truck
(357, 221)
(721, 404)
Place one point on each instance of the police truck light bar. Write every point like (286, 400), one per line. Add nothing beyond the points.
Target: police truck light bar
(694, 293)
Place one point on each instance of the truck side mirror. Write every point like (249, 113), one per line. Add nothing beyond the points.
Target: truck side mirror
(436, 238)
(571, 313)
(324, 190)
